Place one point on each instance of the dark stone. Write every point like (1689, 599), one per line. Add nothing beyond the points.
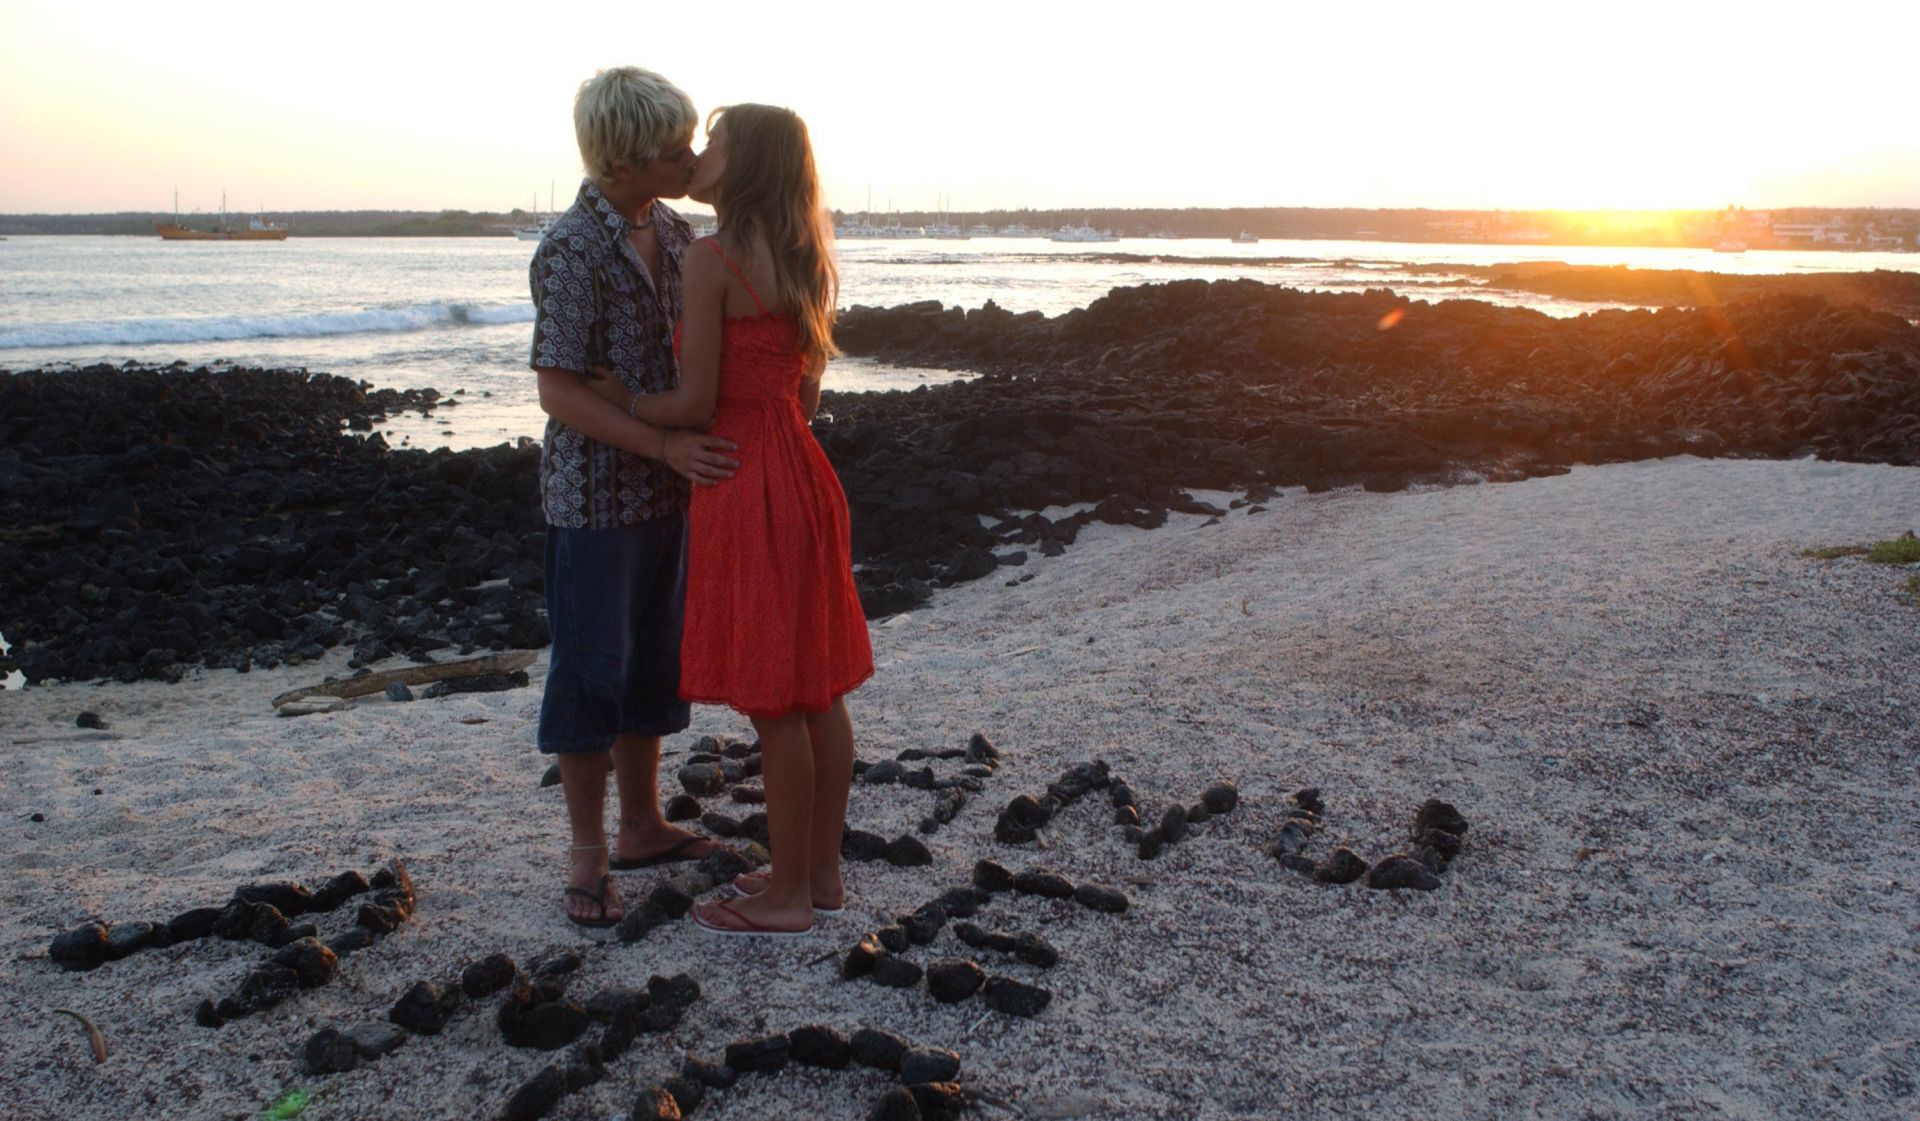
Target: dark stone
(190, 925)
(537, 1096)
(858, 844)
(896, 972)
(894, 937)
(948, 806)
(879, 1049)
(350, 941)
(671, 899)
(90, 720)
(336, 891)
(655, 1103)
(1343, 867)
(719, 824)
(400, 694)
(716, 1076)
(723, 864)
(372, 1040)
(907, 851)
(425, 1008)
(1032, 949)
(1435, 814)
(683, 807)
(992, 877)
(929, 1064)
(896, 1104)
(1446, 845)
(550, 776)
(1198, 814)
(290, 899)
(310, 961)
(263, 988)
(1099, 897)
(379, 919)
(1016, 998)
(962, 902)
(1298, 861)
(922, 779)
(1127, 815)
(768, 1053)
(882, 773)
(328, 1051)
(753, 827)
(980, 749)
(820, 1046)
(125, 938)
(487, 976)
(954, 979)
(1009, 832)
(1173, 824)
(477, 683)
(1308, 799)
(1151, 844)
(860, 960)
(268, 926)
(551, 1026)
(748, 795)
(297, 931)
(207, 1015)
(939, 1101)
(687, 1093)
(1028, 812)
(1038, 881)
(923, 923)
(1221, 797)
(1401, 871)
(679, 991)
(703, 780)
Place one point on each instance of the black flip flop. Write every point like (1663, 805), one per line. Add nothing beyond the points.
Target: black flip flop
(600, 901)
(673, 855)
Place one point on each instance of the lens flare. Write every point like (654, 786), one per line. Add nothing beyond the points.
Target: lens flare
(1392, 319)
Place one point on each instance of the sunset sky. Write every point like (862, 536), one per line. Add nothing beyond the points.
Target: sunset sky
(350, 105)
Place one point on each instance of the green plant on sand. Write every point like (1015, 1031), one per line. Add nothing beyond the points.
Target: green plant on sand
(1913, 588)
(1832, 552)
(1904, 549)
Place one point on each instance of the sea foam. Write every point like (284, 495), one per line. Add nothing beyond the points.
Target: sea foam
(137, 332)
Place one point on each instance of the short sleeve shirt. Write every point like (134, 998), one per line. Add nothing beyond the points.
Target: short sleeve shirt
(595, 305)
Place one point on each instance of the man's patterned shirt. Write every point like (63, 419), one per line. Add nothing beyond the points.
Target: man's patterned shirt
(595, 305)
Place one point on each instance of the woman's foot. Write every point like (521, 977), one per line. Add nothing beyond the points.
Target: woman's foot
(826, 901)
(590, 897)
(740, 918)
(644, 846)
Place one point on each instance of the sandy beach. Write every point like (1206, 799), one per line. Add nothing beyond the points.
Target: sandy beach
(1687, 753)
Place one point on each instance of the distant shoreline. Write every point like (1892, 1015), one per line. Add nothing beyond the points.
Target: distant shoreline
(1816, 228)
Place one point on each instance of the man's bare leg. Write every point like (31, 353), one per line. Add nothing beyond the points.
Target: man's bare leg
(644, 830)
(583, 780)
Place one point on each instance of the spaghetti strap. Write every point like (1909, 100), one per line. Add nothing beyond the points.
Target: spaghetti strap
(738, 275)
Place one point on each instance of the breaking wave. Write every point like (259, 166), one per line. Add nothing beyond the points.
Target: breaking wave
(137, 332)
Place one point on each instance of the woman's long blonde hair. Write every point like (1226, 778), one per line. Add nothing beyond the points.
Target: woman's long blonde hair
(771, 187)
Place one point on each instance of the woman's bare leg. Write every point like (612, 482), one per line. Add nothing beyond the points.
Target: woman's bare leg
(787, 772)
(832, 735)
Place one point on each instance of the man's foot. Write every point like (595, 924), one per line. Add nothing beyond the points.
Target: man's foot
(825, 902)
(590, 897)
(642, 847)
(735, 919)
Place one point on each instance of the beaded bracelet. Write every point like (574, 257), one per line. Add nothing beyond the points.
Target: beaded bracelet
(633, 407)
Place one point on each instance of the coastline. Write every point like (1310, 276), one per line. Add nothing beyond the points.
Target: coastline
(1684, 749)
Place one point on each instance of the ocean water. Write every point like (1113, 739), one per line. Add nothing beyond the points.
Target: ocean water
(454, 314)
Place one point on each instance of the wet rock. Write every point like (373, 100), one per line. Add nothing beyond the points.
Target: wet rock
(683, 807)
(1016, 998)
(896, 1104)
(1221, 797)
(719, 824)
(328, 1051)
(907, 851)
(954, 979)
(1121, 794)
(1173, 824)
(1435, 814)
(1401, 871)
(125, 938)
(425, 1008)
(748, 795)
(879, 1049)
(1198, 814)
(923, 923)
(1127, 815)
(1152, 844)
(992, 877)
(896, 972)
(1343, 867)
(311, 962)
(1032, 949)
(1100, 897)
(977, 770)
(1039, 881)
(487, 976)
(703, 780)
(858, 844)
(929, 1064)
(820, 1046)
(767, 1053)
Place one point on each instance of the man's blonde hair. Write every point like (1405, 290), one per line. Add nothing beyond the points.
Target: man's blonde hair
(628, 115)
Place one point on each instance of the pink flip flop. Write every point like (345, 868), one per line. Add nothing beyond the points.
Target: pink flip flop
(747, 929)
(742, 893)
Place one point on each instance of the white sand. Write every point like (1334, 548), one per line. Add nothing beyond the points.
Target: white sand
(1688, 754)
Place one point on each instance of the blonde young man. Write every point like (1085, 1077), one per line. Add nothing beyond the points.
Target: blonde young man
(606, 293)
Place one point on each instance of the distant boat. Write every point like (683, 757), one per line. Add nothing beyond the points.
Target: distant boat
(1081, 232)
(257, 228)
(535, 233)
(1245, 238)
(946, 231)
(1018, 230)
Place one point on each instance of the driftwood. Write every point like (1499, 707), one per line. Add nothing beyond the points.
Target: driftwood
(93, 1034)
(332, 696)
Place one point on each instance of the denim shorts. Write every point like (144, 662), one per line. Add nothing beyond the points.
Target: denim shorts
(615, 598)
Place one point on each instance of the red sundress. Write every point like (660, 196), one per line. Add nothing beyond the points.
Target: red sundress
(773, 621)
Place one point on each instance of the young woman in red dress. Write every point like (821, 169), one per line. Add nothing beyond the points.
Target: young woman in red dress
(773, 626)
